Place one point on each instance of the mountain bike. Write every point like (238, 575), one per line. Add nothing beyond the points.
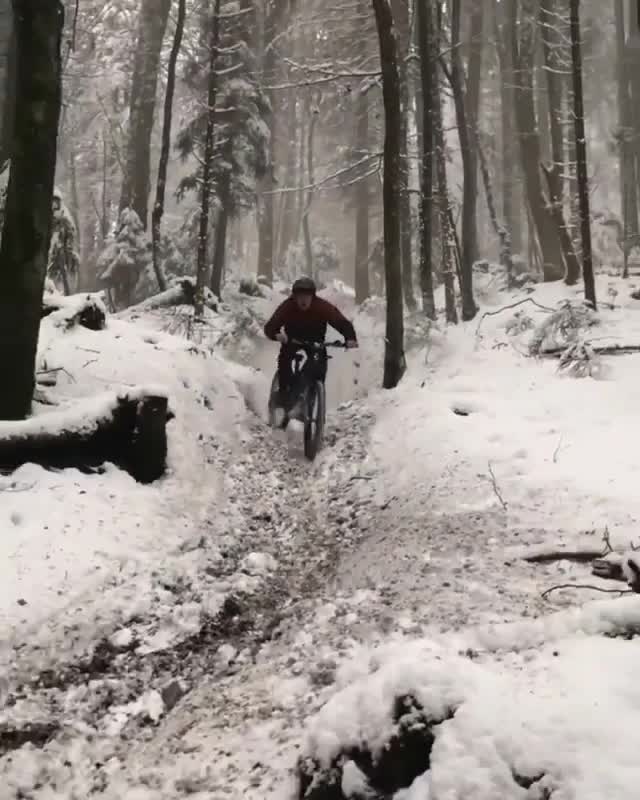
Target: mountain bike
(307, 392)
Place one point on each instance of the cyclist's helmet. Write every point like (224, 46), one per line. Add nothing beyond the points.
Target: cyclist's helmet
(303, 286)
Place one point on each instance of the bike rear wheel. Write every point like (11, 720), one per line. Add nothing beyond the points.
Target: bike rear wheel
(314, 419)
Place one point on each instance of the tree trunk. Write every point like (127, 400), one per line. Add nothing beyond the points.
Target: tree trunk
(220, 240)
(26, 234)
(551, 47)
(509, 153)
(158, 208)
(136, 185)
(628, 190)
(286, 226)
(447, 229)
(7, 80)
(394, 358)
(522, 42)
(400, 13)
(469, 169)
(306, 229)
(581, 154)
(207, 179)
(472, 111)
(426, 40)
(361, 190)
(266, 208)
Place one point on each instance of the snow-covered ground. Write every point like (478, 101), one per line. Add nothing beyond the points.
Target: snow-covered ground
(262, 609)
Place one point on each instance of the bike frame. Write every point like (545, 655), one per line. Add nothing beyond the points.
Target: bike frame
(303, 374)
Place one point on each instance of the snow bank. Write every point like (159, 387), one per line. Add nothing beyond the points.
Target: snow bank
(557, 718)
(80, 550)
(477, 418)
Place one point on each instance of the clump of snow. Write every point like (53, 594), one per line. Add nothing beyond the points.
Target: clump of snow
(558, 714)
(258, 563)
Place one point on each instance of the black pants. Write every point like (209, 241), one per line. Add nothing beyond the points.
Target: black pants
(285, 372)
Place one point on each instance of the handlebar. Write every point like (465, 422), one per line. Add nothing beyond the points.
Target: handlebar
(318, 345)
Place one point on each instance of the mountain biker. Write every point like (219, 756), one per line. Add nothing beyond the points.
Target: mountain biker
(304, 316)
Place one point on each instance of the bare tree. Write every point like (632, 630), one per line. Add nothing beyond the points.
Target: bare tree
(394, 358)
(158, 207)
(28, 216)
(581, 153)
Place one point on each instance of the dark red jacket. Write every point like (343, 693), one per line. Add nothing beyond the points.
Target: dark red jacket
(309, 325)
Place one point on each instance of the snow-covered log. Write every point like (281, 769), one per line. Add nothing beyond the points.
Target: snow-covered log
(128, 430)
(87, 310)
(180, 294)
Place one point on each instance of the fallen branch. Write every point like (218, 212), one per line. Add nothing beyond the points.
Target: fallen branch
(510, 306)
(605, 350)
(496, 489)
(547, 592)
(128, 430)
(578, 556)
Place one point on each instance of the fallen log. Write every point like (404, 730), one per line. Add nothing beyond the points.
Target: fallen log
(127, 430)
(181, 294)
(87, 310)
(621, 570)
(605, 350)
(578, 556)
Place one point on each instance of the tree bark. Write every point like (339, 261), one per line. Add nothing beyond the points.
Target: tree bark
(161, 186)
(136, 185)
(207, 166)
(581, 154)
(426, 38)
(394, 358)
(26, 234)
(469, 169)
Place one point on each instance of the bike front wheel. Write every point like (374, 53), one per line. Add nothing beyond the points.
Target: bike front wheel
(274, 394)
(314, 419)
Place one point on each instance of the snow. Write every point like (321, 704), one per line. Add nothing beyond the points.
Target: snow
(391, 567)
(71, 543)
(560, 449)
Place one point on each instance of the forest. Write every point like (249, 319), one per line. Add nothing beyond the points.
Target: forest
(397, 145)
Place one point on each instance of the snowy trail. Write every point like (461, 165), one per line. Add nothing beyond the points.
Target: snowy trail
(281, 547)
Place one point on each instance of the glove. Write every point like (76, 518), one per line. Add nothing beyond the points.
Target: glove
(351, 344)
(282, 337)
